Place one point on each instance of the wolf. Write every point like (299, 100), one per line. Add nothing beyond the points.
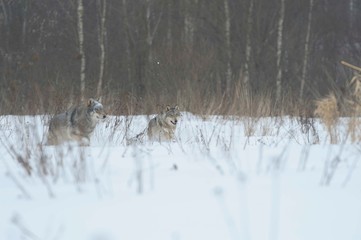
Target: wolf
(76, 124)
(163, 126)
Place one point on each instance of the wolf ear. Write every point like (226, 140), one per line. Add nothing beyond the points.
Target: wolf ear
(176, 107)
(90, 102)
(167, 108)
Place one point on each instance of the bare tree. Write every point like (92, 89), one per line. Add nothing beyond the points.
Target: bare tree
(25, 11)
(248, 45)
(169, 26)
(44, 45)
(279, 51)
(228, 46)
(189, 22)
(306, 50)
(81, 48)
(102, 35)
(127, 48)
(5, 19)
(151, 30)
(352, 12)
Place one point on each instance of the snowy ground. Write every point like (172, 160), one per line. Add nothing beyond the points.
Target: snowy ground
(235, 178)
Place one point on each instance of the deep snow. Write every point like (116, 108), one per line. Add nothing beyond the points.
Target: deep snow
(223, 178)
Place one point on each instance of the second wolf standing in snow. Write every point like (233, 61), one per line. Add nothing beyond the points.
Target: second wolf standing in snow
(163, 126)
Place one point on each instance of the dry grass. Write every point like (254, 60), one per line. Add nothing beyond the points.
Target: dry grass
(354, 129)
(187, 79)
(327, 110)
(345, 103)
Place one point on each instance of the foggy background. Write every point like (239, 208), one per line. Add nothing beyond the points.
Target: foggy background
(141, 53)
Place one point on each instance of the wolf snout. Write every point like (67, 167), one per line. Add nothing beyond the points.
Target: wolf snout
(174, 122)
(101, 116)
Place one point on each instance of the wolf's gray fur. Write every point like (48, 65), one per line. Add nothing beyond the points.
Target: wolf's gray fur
(76, 124)
(163, 126)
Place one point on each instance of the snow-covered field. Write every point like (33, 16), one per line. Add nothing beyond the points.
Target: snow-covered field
(234, 178)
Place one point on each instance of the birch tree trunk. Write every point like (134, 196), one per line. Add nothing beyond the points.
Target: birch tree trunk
(189, 23)
(6, 22)
(248, 46)
(306, 51)
(279, 51)
(149, 33)
(81, 48)
(101, 36)
(25, 9)
(352, 13)
(127, 50)
(228, 47)
(169, 26)
(151, 30)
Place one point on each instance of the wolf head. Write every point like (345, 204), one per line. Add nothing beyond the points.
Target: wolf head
(172, 115)
(96, 109)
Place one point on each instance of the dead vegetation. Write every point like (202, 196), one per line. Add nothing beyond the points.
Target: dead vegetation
(347, 103)
(327, 110)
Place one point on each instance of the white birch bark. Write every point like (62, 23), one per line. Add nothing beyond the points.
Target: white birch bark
(6, 21)
(24, 23)
(228, 46)
(101, 36)
(248, 45)
(81, 48)
(306, 51)
(149, 32)
(169, 26)
(352, 12)
(125, 14)
(4, 11)
(279, 51)
(189, 23)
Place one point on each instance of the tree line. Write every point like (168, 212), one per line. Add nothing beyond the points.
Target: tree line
(166, 50)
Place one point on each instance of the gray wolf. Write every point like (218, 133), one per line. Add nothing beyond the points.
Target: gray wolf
(76, 124)
(163, 126)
